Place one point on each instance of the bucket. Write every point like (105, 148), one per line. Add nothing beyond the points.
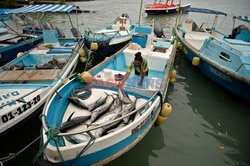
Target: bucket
(107, 73)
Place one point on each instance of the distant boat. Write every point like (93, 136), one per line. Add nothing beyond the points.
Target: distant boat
(104, 42)
(14, 40)
(113, 133)
(164, 8)
(223, 58)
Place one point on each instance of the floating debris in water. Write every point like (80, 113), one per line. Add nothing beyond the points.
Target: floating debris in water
(221, 147)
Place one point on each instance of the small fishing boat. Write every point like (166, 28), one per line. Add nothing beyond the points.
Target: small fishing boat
(105, 42)
(223, 58)
(113, 120)
(13, 41)
(164, 8)
(28, 80)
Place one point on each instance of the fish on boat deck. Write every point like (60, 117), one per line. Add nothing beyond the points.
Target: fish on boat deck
(84, 104)
(127, 108)
(123, 96)
(72, 123)
(102, 109)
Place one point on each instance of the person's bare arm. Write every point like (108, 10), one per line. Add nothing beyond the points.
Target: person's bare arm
(142, 77)
(121, 83)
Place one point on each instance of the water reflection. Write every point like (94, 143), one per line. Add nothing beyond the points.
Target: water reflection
(222, 117)
(145, 149)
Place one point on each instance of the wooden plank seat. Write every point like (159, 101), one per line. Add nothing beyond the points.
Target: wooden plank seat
(29, 75)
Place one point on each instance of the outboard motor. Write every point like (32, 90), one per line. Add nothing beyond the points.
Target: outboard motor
(76, 33)
(158, 30)
(237, 31)
(60, 33)
(195, 27)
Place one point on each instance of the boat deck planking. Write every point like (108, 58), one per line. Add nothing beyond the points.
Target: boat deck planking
(29, 75)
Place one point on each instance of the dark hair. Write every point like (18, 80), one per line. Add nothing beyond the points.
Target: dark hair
(138, 56)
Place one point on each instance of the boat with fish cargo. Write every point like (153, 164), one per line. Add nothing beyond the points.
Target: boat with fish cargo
(27, 81)
(20, 33)
(104, 42)
(90, 120)
(223, 58)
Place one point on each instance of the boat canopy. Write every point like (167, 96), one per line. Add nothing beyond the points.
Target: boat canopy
(202, 10)
(242, 18)
(43, 8)
(4, 11)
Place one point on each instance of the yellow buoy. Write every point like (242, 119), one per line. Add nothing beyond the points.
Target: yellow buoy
(196, 61)
(185, 50)
(173, 74)
(172, 80)
(86, 77)
(179, 46)
(83, 59)
(160, 120)
(93, 46)
(66, 81)
(166, 110)
(82, 52)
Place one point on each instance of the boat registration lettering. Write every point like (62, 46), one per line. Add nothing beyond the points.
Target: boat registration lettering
(137, 128)
(220, 74)
(11, 115)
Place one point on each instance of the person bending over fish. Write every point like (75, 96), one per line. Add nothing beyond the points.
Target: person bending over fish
(140, 65)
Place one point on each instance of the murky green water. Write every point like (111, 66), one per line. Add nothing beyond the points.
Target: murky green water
(208, 125)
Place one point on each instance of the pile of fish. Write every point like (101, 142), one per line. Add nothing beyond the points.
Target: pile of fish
(104, 109)
(55, 63)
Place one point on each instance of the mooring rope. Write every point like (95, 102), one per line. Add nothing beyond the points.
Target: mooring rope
(52, 136)
(14, 155)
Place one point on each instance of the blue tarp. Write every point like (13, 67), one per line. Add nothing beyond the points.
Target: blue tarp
(207, 11)
(242, 18)
(43, 8)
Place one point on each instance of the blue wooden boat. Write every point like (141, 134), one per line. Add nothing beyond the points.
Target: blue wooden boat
(13, 41)
(102, 148)
(28, 80)
(104, 42)
(223, 58)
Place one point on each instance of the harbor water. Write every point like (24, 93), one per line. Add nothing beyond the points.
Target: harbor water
(208, 125)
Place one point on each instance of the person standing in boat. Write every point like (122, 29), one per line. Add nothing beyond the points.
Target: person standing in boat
(140, 66)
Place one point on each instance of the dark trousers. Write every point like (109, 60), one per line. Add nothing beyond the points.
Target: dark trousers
(137, 73)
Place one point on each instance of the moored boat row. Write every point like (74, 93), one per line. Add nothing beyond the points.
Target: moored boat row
(223, 58)
(95, 116)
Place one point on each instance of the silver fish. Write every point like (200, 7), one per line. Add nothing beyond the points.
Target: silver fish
(117, 105)
(78, 102)
(82, 103)
(78, 138)
(97, 103)
(72, 123)
(123, 96)
(108, 116)
(127, 108)
(141, 111)
(121, 125)
(102, 131)
(102, 109)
